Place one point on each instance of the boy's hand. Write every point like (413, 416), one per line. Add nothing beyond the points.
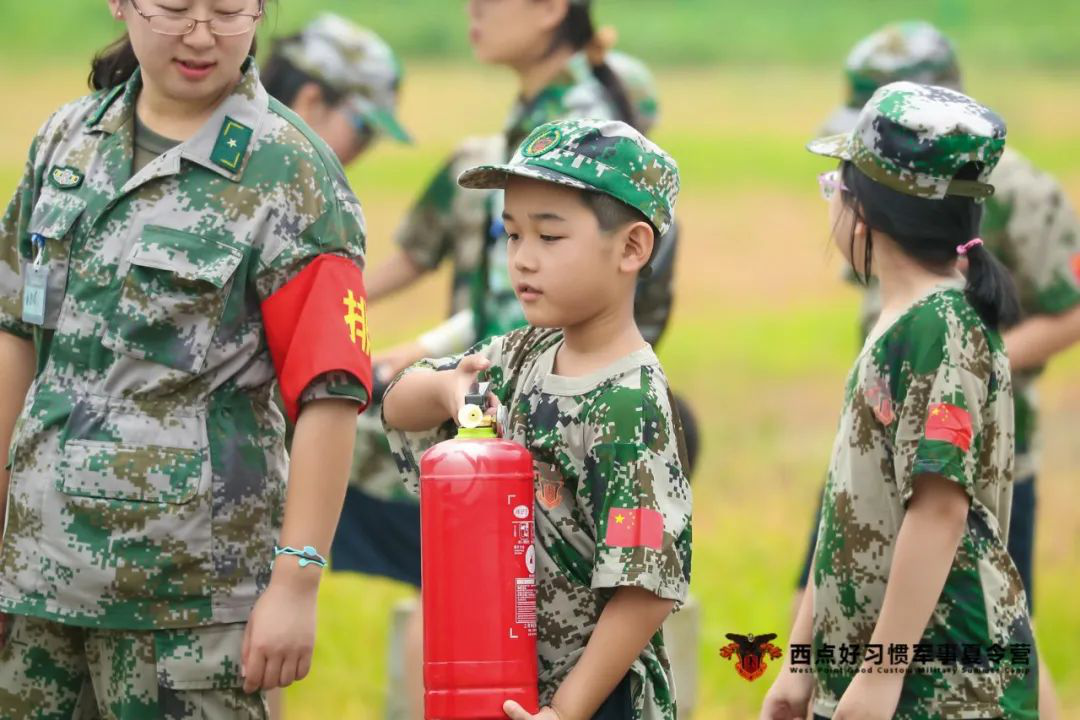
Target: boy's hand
(789, 697)
(460, 381)
(280, 633)
(870, 696)
(514, 711)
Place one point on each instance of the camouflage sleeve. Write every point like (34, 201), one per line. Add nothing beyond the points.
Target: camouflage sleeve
(407, 447)
(12, 232)
(334, 386)
(426, 235)
(655, 293)
(337, 229)
(1036, 231)
(642, 500)
(941, 398)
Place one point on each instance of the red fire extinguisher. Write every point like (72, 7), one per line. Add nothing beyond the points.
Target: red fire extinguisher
(478, 572)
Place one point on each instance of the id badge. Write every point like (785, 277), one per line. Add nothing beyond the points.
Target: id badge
(35, 287)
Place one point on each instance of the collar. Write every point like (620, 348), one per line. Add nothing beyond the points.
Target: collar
(553, 384)
(225, 141)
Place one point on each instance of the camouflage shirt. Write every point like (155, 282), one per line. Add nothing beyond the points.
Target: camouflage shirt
(606, 452)
(931, 395)
(1031, 227)
(466, 225)
(148, 464)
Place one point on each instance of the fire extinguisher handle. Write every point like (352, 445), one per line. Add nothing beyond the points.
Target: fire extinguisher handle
(477, 394)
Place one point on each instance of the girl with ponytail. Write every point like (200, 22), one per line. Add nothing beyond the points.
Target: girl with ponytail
(911, 547)
(561, 60)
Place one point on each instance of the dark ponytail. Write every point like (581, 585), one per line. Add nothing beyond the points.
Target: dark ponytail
(578, 32)
(114, 64)
(990, 289)
(931, 231)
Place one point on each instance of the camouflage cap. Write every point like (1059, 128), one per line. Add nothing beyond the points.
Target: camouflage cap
(915, 51)
(606, 156)
(916, 138)
(354, 62)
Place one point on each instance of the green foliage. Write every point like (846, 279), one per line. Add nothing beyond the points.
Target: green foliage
(995, 32)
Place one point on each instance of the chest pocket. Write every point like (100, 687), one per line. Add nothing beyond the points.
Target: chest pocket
(54, 216)
(172, 298)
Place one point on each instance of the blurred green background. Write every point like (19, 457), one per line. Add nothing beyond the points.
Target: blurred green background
(1003, 32)
(764, 330)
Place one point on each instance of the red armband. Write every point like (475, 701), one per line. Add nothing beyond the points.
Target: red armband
(317, 323)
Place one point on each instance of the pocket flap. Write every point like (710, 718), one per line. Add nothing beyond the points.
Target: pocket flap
(122, 453)
(186, 255)
(55, 212)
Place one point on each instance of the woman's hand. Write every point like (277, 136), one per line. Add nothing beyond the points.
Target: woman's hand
(514, 711)
(280, 634)
(789, 696)
(870, 696)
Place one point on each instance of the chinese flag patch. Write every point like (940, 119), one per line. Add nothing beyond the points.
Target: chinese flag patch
(317, 323)
(634, 527)
(950, 424)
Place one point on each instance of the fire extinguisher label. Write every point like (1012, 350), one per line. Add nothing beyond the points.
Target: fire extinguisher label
(525, 605)
(525, 589)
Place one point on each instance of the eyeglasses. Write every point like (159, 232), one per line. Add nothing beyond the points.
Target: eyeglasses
(223, 25)
(830, 182)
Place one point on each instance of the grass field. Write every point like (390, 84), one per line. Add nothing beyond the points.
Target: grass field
(762, 337)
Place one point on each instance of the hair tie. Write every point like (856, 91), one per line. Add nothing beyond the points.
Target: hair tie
(603, 40)
(963, 249)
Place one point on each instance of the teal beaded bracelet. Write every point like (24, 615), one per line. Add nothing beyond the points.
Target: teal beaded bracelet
(308, 556)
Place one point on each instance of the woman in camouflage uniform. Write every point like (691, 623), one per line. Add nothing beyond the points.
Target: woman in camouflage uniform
(178, 242)
(915, 609)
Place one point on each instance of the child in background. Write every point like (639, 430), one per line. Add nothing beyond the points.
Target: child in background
(911, 547)
(586, 202)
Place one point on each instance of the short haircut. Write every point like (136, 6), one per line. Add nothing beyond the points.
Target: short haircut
(612, 214)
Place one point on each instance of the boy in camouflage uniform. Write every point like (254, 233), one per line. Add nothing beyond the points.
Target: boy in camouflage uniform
(587, 396)
(911, 552)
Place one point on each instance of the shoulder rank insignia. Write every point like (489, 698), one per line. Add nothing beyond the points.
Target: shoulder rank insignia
(231, 144)
(65, 178)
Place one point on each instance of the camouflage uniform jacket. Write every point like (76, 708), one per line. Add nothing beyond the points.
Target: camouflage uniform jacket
(449, 221)
(148, 464)
(606, 452)
(932, 395)
(1030, 226)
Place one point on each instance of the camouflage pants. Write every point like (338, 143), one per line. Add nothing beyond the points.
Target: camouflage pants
(51, 670)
